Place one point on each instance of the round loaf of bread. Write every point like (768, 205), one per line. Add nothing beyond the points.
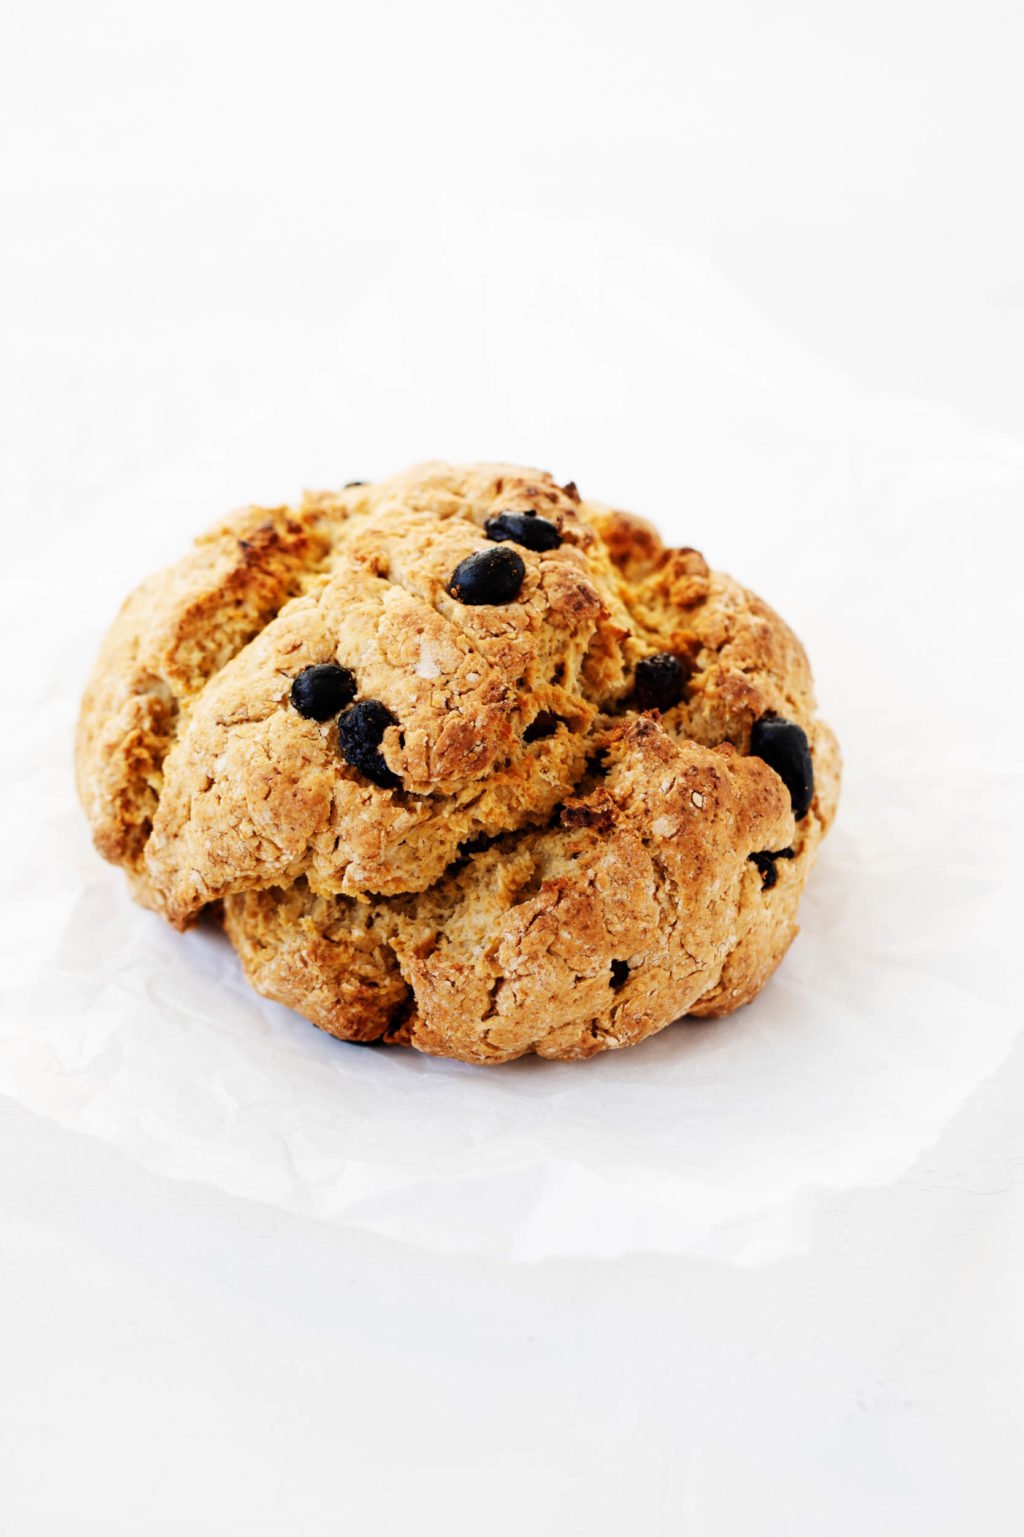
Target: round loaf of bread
(464, 762)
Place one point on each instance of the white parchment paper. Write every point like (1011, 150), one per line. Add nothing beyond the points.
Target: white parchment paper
(888, 534)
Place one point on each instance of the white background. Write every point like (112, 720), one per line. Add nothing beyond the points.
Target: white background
(246, 249)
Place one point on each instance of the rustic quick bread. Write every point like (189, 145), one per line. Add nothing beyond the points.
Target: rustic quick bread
(465, 762)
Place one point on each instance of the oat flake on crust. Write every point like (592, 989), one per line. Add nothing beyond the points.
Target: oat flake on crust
(531, 857)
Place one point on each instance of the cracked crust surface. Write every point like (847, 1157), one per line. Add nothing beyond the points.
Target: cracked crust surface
(556, 872)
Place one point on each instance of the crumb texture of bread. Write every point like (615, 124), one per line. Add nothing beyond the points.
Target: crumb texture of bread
(555, 837)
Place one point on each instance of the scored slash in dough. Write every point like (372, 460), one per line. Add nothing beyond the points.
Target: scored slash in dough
(477, 910)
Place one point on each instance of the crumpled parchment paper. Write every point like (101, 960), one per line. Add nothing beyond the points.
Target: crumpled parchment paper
(886, 532)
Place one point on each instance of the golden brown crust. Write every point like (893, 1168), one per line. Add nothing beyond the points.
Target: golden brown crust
(174, 633)
(334, 965)
(542, 830)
